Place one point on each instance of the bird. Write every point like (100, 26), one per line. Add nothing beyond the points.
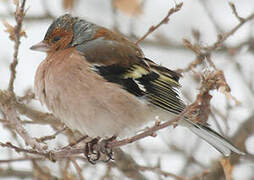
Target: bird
(101, 84)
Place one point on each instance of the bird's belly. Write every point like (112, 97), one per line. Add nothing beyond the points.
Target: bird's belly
(94, 111)
(104, 119)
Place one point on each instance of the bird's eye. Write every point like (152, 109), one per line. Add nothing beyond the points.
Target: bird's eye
(56, 38)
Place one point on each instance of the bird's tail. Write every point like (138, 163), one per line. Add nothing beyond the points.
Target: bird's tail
(216, 140)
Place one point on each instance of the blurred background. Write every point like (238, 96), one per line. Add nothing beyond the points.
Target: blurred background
(175, 153)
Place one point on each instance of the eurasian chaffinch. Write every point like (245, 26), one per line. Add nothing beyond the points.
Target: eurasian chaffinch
(100, 83)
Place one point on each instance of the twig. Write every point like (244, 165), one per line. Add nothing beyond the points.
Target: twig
(50, 137)
(235, 12)
(21, 174)
(31, 18)
(239, 138)
(18, 149)
(186, 154)
(66, 153)
(127, 165)
(27, 158)
(200, 176)
(6, 104)
(161, 172)
(107, 174)
(78, 169)
(190, 157)
(76, 142)
(224, 37)
(205, 52)
(227, 168)
(19, 16)
(41, 172)
(29, 95)
(163, 21)
(37, 116)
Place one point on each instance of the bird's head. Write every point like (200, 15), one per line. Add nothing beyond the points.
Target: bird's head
(66, 31)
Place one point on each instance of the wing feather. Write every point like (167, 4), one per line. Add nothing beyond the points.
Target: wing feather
(123, 64)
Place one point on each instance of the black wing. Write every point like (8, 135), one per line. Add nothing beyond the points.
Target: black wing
(157, 84)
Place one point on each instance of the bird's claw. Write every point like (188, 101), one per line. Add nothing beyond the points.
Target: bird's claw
(95, 148)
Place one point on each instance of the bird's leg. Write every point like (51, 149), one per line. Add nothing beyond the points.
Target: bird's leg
(96, 147)
(90, 150)
(105, 149)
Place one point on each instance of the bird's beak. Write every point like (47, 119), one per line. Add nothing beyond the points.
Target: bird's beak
(41, 46)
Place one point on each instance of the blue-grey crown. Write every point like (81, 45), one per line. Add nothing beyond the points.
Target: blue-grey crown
(82, 29)
(64, 22)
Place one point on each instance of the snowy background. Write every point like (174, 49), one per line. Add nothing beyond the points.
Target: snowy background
(193, 15)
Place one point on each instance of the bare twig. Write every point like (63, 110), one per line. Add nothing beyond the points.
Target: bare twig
(65, 153)
(161, 172)
(76, 142)
(127, 165)
(27, 158)
(190, 157)
(21, 174)
(19, 16)
(6, 104)
(239, 138)
(235, 12)
(186, 154)
(41, 172)
(200, 176)
(50, 137)
(225, 36)
(30, 151)
(29, 95)
(163, 21)
(227, 168)
(30, 18)
(205, 52)
(78, 169)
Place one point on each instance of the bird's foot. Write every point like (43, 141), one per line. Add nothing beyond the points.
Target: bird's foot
(92, 154)
(95, 148)
(105, 149)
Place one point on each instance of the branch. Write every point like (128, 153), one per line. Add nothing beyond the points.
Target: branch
(163, 21)
(27, 158)
(8, 109)
(69, 152)
(239, 138)
(205, 52)
(31, 18)
(19, 16)
(235, 12)
(78, 169)
(127, 165)
(7, 173)
(224, 37)
(160, 172)
(35, 115)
